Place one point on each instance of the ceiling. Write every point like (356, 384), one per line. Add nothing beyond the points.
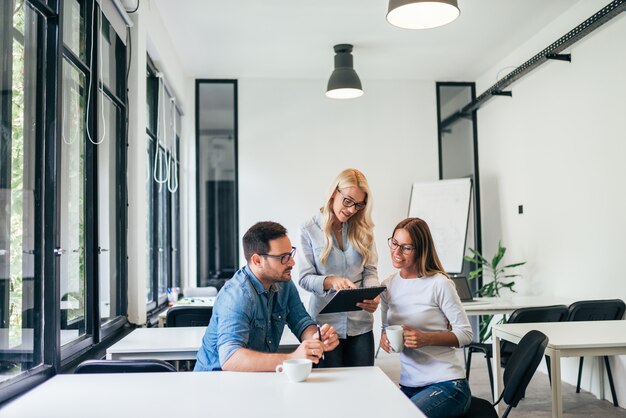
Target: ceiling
(295, 38)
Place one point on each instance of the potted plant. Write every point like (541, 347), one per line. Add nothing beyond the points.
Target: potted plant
(498, 274)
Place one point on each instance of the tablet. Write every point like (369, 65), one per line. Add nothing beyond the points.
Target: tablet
(346, 299)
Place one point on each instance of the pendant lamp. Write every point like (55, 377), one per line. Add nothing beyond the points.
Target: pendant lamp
(344, 83)
(422, 14)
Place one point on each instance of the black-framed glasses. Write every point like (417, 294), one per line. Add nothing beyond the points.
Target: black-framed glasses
(284, 258)
(348, 202)
(406, 249)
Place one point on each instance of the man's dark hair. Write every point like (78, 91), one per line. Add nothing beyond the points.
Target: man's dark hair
(257, 239)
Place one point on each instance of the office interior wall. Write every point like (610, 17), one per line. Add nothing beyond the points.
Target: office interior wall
(293, 141)
(149, 36)
(557, 147)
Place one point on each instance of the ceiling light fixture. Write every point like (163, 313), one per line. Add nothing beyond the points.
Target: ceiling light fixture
(344, 83)
(422, 14)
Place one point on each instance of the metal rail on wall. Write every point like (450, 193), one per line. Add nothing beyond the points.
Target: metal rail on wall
(552, 52)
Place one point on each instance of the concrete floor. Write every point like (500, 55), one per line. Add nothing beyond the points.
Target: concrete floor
(536, 404)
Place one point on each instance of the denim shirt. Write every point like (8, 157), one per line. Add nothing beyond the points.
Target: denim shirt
(246, 315)
(344, 263)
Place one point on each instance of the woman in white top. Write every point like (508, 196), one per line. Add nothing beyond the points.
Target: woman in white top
(422, 299)
(336, 251)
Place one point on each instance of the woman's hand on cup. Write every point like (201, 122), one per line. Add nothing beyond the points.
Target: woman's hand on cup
(414, 338)
(338, 283)
(370, 305)
(384, 343)
(310, 349)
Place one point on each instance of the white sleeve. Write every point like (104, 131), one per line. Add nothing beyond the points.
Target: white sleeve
(451, 306)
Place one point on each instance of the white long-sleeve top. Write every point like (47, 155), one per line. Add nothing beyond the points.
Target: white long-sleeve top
(429, 304)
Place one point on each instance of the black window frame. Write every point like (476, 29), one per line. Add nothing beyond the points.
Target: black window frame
(51, 53)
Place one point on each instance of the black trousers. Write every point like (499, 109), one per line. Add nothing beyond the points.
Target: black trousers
(352, 351)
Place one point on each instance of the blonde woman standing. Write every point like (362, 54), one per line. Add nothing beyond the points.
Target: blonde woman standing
(337, 251)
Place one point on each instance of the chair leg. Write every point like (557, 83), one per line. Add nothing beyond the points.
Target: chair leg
(490, 374)
(548, 366)
(377, 350)
(580, 372)
(468, 364)
(610, 376)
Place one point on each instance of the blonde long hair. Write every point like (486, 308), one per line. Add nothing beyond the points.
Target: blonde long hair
(360, 225)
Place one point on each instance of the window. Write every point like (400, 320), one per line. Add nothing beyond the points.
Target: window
(216, 182)
(458, 149)
(62, 188)
(20, 193)
(162, 181)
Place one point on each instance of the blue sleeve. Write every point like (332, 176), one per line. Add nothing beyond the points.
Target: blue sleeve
(298, 319)
(370, 271)
(309, 277)
(235, 320)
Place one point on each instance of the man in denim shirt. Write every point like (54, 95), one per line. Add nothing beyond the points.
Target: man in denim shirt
(251, 310)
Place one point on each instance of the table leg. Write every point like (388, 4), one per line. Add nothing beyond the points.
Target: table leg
(555, 372)
(498, 382)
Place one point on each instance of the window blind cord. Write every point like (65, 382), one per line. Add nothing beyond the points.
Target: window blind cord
(158, 158)
(173, 151)
(91, 77)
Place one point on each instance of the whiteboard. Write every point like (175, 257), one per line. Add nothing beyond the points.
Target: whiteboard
(444, 205)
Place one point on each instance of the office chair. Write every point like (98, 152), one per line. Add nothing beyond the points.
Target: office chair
(188, 316)
(124, 366)
(554, 313)
(597, 310)
(194, 292)
(520, 369)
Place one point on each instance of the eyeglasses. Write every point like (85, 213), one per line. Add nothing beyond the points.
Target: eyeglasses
(406, 249)
(284, 258)
(347, 202)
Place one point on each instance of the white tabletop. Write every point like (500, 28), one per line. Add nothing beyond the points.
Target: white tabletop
(570, 336)
(361, 392)
(566, 339)
(507, 304)
(176, 343)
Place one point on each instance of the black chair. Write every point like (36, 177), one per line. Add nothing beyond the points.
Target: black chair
(189, 316)
(124, 366)
(520, 369)
(554, 313)
(597, 310)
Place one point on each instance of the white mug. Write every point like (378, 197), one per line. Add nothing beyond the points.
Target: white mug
(394, 335)
(297, 370)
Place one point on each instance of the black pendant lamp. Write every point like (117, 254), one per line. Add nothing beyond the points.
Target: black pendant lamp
(422, 14)
(344, 83)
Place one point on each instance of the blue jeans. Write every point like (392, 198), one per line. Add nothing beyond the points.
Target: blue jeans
(441, 400)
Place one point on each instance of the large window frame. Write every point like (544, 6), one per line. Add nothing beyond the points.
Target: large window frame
(52, 53)
(163, 232)
(210, 252)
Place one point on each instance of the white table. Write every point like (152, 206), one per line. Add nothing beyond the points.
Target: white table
(195, 301)
(506, 305)
(566, 339)
(362, 392)
(177, 343)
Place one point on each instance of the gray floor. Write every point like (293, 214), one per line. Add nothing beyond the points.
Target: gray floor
(537, 402)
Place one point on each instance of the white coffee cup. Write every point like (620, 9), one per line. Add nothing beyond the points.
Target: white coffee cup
(297, 370)
(394, 335)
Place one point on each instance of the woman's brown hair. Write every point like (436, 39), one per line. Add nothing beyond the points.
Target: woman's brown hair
(425, 258)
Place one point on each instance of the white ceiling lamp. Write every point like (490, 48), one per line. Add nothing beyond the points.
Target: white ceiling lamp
(422, 14)
(344, 83)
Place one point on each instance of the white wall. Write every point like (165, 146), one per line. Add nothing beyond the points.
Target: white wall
(293, 141)
(558, 147)
(148, 37)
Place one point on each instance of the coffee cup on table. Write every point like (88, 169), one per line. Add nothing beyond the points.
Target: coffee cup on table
(394, 335)
(297, 370)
